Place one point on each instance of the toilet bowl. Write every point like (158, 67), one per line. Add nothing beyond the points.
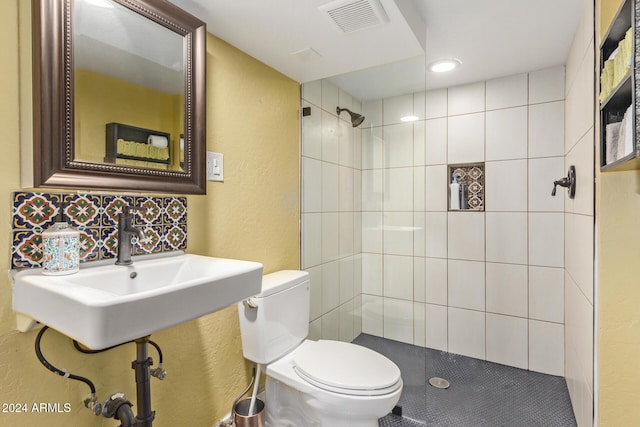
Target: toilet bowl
(312, 383)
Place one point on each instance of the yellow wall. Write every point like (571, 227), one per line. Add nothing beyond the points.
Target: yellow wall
(101, 99)
(253, 118)
(618, 306)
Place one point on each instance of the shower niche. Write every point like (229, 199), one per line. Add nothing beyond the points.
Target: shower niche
(470, 189)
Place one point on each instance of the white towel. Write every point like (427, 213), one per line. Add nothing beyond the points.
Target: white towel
(612, 133)
(625, 138)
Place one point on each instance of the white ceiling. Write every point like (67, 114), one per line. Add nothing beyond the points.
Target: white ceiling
(492, 38)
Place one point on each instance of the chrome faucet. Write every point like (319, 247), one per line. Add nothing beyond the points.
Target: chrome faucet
(125, 232)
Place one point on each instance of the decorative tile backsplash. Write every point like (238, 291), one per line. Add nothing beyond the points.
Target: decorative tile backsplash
(163, 221)
(472, 177)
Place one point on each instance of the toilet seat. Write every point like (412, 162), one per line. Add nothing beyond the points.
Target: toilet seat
(346, 368)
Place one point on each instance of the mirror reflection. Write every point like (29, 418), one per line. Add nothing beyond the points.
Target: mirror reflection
(129, 85)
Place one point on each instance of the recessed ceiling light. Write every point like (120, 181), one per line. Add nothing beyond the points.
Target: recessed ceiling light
(444, 65)
(409, 118)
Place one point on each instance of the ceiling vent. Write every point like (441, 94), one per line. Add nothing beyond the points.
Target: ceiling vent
(354, 15)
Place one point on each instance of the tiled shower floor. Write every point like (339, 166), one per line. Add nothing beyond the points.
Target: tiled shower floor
(481, 394)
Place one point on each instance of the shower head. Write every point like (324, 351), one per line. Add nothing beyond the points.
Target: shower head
(356, 119)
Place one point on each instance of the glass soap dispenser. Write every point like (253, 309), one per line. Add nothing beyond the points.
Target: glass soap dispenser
(60, 248)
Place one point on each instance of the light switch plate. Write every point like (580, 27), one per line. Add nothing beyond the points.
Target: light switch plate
(215, 166)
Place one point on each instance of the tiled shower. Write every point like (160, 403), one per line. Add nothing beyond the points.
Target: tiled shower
(482, 283)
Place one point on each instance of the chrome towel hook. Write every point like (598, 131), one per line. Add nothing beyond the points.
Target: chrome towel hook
(568, 181)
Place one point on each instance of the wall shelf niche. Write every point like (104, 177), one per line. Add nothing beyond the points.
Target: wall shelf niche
(619, 150)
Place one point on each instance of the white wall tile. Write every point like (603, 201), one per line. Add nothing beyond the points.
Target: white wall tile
(435, 234)
(436, 141)
(419, 136)
(345, 189)
(372, 227)
(579, 101)
(466, 284)
(372, 148)
(507, 134)
(465, 143)
(546, 239)
(398, 320)
(582, 157)
(330, 96)
(546, 85)
(357, 321)
(398, 277)
(398, 145)
(546, 129)
(311, 240)
(372, 190)
(466, 236)
(311, 185)
(466, 332)
(330, 141)
(312, 132)
(330, 183)
(345, 144)
(419, 279)
(419, 188)
(466, 99)
(372, 274)
(345, 234)
(347, 320)
(419, 324)
(578, 253)
(435, 280)
(357, 190)
(507, 340)
(330, 286)
(506, 186)
(331, 325)
(357, 148)
(436, 185)
(357, 274)
(398, 233)
(419, 105)
(330, 236)
(312, 92)
(398, 195)
(436, 330)
(372, 111)
(315, 281)
(372, 315)
(542, 173)
(315, 330)
(546, 294)
(507, 237)
(418, 234)
(345, 100)
(546, 347)
(505, 92)
(507, 289)
(436, 103)
(396, 107)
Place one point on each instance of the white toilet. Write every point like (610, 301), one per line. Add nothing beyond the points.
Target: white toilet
(312, 383)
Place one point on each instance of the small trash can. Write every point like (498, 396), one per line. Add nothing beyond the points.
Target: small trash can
(241, 411)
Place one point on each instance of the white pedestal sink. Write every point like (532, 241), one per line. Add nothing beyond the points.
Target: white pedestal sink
(104, 305)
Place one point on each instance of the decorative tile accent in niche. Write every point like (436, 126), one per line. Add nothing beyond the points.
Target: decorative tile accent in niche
(471, 176)
(163, 221)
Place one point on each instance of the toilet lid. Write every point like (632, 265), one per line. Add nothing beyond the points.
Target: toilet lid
(346, 368)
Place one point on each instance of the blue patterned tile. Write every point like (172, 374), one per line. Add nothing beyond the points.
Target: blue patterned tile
(175, 237)
(89, 244)
(111, 207)
(34, 210)
(151, 213)
(82, 210)
(175, 210)
(152, 242)
(27, 249)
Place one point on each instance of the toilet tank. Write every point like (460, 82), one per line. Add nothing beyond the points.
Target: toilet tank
(275, 321)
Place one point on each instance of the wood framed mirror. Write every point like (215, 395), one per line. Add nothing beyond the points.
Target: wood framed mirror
(118, 96)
